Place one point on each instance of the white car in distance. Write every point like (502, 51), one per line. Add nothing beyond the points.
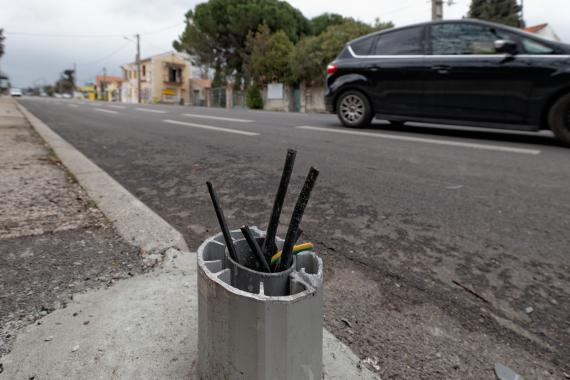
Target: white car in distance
(15, 92)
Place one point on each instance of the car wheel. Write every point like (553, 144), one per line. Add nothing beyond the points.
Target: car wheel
(354, 110)
(559, 119)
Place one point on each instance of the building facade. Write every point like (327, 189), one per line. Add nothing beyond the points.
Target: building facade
(108, 88)
(165, 78)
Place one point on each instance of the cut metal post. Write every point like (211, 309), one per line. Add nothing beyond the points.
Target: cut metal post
(298, 212)
(222, 221)
(255, 325)
(269, 243)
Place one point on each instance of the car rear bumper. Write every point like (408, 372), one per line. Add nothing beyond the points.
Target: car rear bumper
(329, 101)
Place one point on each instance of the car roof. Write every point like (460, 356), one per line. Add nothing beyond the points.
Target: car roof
(465, 21)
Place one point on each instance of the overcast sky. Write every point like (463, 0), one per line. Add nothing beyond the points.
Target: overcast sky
(37, 49)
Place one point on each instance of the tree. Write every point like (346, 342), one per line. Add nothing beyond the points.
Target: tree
(66, 82)
(502, 11)
(49, 90)
(312, 54)
(2, 42)
(320, 23)
(267, 55)
(253, 97)
(216, 31)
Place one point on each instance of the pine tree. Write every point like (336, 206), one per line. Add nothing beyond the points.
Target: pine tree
(502, 11)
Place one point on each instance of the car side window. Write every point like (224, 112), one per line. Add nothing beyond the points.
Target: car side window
(463, 38)
(408, 41)
(533, 47)
(362, 46)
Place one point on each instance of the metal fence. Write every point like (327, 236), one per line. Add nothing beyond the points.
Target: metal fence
(216, 97)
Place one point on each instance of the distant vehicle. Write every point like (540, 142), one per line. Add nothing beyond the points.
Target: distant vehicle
(465, 72)
(58, 95)
(16, 92)
(66, 96)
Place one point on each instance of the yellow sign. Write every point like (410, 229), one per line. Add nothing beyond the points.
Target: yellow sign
(168, 92)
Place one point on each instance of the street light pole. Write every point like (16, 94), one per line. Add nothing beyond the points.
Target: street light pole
(139, 67)
(104, 85)
(436, 10)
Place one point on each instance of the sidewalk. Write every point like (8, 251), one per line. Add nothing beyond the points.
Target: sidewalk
(53, 242)
(144, 327)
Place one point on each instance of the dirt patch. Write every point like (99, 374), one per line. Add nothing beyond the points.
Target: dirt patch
(411, 330)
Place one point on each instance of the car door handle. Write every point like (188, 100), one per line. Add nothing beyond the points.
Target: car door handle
(441, 69)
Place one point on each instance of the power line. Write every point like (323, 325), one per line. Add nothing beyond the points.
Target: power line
(163, 29)
(50, 35)
(47, 35)
(105, 57)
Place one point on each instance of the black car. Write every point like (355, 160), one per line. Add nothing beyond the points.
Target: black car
(466, 72)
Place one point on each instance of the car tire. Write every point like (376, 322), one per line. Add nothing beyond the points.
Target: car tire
(559, 119)
(353, 109)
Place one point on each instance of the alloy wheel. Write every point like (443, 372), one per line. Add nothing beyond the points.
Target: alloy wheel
(352, 108)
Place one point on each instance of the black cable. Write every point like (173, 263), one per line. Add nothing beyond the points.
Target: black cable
(269, 242)
(296, 217)
(222, 221)
(255, 248)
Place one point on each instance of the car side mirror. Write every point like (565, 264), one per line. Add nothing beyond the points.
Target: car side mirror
(506, 46)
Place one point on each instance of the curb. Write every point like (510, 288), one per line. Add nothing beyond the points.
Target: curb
(135, 222)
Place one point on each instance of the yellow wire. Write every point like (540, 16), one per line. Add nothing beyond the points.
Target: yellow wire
(297, 248)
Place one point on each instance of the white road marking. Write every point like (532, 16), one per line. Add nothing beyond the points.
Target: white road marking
(498, 148)
(118, 107)
(102, 110)
(210, 127)
(149, 110)
(218, 118)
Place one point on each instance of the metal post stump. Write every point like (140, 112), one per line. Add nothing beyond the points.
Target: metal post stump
(256, 325)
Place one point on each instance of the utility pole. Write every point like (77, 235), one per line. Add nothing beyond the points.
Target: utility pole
(74, 76)
(139, 67)
(104, 84)
(436, 10)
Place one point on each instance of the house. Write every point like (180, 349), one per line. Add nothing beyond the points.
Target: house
(164, 79)
(108, 88)
(543, 30)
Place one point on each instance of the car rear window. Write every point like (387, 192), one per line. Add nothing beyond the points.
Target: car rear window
(362, 46)
(407, 41)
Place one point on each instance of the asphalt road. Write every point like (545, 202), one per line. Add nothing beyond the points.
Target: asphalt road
(447, 246)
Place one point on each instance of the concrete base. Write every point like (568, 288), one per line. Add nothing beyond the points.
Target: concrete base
(142, 328)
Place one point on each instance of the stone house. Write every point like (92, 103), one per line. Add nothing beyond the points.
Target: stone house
(165, 78)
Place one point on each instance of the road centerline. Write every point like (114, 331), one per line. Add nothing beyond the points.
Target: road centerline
(498, 148)
(103, 110)
(210, 127)
(217, 118)
(149, 110)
